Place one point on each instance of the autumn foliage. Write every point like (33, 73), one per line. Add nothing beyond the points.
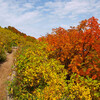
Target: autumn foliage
(63, 65)
(78, 48)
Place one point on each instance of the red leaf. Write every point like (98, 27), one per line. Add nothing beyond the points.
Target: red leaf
(94, 76)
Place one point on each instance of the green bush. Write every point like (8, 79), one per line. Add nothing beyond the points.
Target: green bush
(37, 76)
(2, 55)
(80, 88)
(9, 49)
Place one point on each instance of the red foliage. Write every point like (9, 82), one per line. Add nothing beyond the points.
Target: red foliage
(94, 76)
(78, 48)
(25, 36)
(13, 29)
(28, 38)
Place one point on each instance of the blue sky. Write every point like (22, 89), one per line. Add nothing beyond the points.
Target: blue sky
(38, 17)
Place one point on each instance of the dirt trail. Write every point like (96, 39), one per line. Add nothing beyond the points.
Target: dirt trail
(5, 70)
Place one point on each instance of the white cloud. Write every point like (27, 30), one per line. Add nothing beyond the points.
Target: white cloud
(32, 16)
(65, 26)
(75, 7)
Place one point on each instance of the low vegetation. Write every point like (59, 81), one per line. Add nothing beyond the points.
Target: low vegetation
(64, 65)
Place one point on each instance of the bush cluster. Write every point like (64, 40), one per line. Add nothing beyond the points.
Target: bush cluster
(64, 65)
